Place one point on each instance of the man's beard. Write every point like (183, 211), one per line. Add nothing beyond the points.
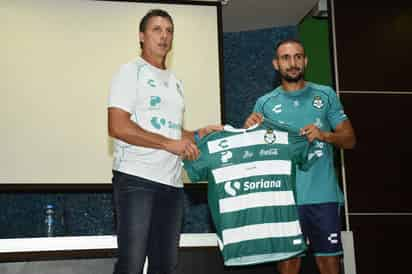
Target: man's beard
(292, 79)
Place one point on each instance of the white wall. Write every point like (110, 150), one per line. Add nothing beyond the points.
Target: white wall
(57, 59)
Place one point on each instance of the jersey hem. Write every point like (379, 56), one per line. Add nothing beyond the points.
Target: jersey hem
(255, 259)
(321, 202)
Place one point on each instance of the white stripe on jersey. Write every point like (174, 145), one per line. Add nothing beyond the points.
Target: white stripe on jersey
(261, 231)
(259, 199)
(257, 168)
(239, 140)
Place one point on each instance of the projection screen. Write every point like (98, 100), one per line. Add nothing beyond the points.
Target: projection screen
(57, 60)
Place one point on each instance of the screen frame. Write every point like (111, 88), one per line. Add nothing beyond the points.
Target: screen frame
(106, 187)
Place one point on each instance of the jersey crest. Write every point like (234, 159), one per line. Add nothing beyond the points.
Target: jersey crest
(318, 102)
(270, 136)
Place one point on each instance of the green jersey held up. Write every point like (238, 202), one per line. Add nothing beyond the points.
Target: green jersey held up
(251, 189)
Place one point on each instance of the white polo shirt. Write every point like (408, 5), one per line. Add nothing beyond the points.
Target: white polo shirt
(154, 98)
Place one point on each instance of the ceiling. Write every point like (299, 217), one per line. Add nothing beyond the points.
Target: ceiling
(244, 15)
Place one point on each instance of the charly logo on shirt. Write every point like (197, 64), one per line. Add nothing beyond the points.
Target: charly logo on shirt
(333, 238)
(223, 144)
(151, 83)
(318, 102)
(277, 108)
(270, 136)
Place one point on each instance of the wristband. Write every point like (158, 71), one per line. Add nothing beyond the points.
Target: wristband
(196, 136)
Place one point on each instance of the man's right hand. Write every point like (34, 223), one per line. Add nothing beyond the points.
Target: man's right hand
(253, 119)
(184, 148)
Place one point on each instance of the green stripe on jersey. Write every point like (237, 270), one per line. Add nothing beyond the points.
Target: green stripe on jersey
(259, 215)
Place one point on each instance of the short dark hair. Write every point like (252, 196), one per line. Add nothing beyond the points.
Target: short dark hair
(287, 41)
(150, 14)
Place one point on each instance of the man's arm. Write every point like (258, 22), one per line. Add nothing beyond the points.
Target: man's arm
(343, 136)
(122, 128)
(202, 131)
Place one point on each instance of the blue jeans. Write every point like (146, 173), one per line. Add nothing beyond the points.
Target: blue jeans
(149, 218)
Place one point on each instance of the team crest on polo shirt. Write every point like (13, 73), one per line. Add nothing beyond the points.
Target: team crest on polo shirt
(318, 102)
(270, 136)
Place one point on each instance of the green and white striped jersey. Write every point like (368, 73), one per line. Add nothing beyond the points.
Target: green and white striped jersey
(251, 190)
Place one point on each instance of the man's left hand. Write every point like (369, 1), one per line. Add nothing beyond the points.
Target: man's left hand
(312, 132)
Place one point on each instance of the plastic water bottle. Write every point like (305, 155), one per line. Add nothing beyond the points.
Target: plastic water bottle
(50, 220)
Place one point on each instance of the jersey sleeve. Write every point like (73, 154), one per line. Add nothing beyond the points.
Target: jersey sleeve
(305, 154)
(197, 170)
(335, 114)
(258, 106)
(123, 90)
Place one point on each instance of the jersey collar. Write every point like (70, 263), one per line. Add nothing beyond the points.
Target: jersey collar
(295, 92)
(230, 128)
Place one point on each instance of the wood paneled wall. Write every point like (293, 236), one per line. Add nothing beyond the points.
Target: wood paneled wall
(374, 65)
